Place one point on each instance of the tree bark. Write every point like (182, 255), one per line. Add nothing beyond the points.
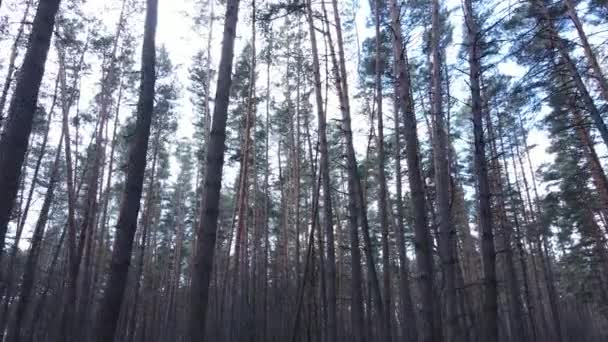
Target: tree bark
(207, 228)
(127, 217)
(15, 135)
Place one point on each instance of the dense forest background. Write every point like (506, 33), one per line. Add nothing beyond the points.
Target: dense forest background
(303, 170)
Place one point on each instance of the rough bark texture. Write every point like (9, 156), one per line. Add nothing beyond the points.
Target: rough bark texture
(127, 217)
(16, 133)
(207, 229)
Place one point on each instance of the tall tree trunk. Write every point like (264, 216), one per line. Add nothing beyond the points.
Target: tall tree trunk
(72, 270)
(352, 167)
(382, 200)
(103, 236)
(95, 170)
(127, 217)
(16, 133)
(240, 274)
(430, 327)
(330, 267)
(490, 326)
(357, 209)
(409, 330)
(266, 202)
(447, 231)
(207, 228)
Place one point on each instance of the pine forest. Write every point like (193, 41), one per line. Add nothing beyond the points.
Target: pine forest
(304, 171)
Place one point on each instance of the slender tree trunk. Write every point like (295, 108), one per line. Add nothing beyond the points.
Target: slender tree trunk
(8, 282)
(447, 232)
(29, 272)
(103, 238)
(409, 330)
(90, 214)
(505, 228)
(16, 133)
(330, 267)
(382, 200)
(490, 310)
(240, 302)
(266, 204)
(72, 270)
(28, 331)
(430, 327)
(127, 217)
(356, 191)
(357, 210)
(207, 229)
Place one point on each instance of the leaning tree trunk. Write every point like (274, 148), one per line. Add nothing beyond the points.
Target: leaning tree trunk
(16, 133)
(127, 217)
(208, 221)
